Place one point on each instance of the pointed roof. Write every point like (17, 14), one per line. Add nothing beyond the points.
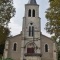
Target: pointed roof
(32, 2)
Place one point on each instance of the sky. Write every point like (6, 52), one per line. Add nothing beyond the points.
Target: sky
(15, 24)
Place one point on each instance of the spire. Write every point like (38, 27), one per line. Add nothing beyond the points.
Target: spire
(32, 2)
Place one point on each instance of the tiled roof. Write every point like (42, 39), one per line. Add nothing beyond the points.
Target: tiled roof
(32, 2)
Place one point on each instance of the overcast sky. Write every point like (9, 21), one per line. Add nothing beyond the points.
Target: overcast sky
(16, 21)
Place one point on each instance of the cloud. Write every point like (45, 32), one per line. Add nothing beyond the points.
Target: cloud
(14, 28)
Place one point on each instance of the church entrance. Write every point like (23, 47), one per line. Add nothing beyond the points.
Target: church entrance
(30, 50)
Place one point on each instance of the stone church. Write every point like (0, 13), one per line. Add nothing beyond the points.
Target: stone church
(30, 44)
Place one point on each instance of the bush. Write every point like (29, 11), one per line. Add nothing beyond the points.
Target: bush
(8, 59)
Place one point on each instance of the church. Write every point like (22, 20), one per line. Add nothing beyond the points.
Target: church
(30, 44)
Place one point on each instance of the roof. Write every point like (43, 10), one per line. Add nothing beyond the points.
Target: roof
(48, 37)
(32, 2)
(9, 38)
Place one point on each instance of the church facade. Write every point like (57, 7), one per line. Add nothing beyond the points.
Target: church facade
(30, 44)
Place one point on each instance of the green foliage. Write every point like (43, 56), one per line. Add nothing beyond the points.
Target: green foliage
(1, 49)
(4, 32)
(50, 0)
(58, 55)
(7, 11)
(8, 59)
(53, 18)
(0, 58)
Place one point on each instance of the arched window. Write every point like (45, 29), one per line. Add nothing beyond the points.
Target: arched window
(31, 30)
(33, 13)
(14, 47)
(29, 13)
(46, 48)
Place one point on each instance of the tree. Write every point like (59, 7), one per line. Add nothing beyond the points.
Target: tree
(1, 58)
(53, 18)
(53, 21)
(4, 32)
(7, 11)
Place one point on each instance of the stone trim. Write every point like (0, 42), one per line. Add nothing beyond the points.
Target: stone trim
(33, 54)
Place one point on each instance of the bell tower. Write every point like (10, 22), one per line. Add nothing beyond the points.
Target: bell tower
(30, 45)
